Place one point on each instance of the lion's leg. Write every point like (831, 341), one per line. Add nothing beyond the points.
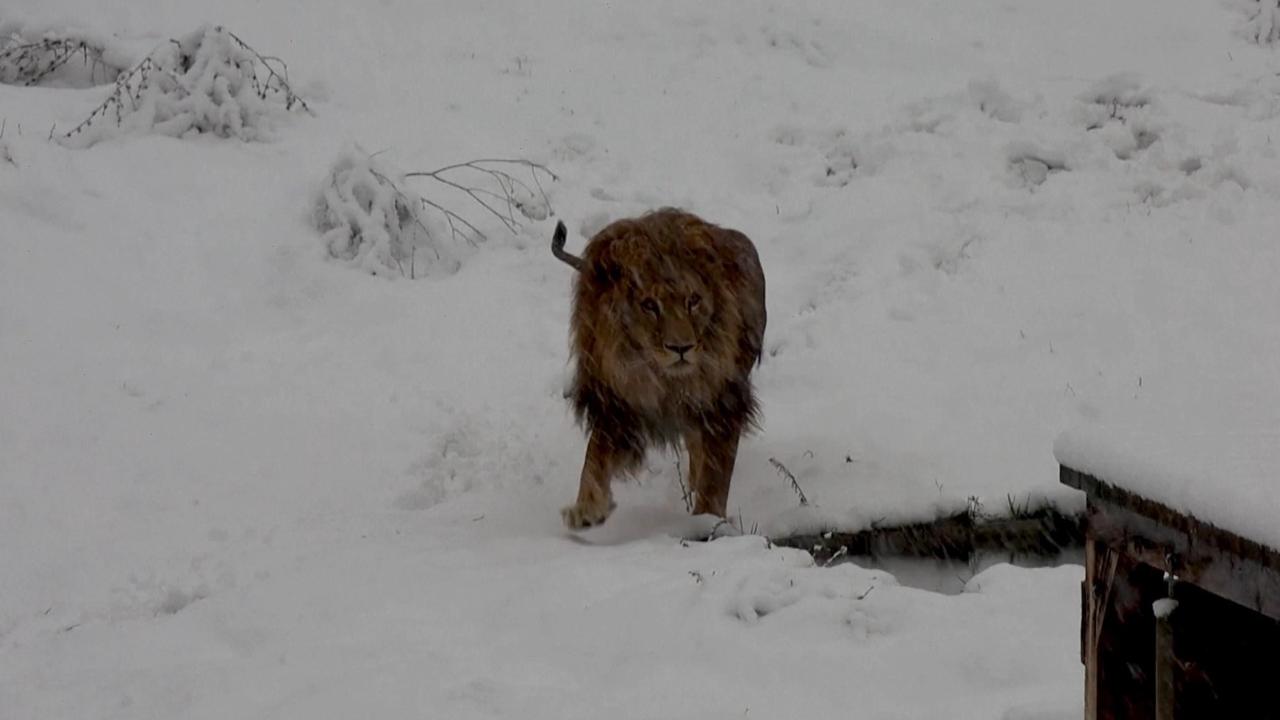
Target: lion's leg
(714, 470)
(595, 496)
(693, 447)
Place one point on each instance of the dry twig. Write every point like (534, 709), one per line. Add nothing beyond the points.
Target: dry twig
(513, 193)
(686, 493)
(29, 63)
(795, 485)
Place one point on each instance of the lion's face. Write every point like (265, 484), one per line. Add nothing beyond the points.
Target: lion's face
(671, 319)
(668, 316)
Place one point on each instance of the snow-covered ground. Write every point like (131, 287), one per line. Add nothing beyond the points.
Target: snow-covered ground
(241, 479)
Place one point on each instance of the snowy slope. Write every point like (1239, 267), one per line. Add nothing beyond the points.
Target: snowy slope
(240, 478)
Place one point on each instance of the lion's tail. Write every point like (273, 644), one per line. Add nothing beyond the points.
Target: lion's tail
(557, 247)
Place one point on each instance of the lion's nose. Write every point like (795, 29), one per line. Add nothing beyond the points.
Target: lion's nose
(679, 349)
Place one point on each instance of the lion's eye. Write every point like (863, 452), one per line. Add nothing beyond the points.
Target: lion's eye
(694, 300)
(650, 306)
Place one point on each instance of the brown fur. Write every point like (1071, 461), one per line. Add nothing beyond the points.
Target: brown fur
(668, 320)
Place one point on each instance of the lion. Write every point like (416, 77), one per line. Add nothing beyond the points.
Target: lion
(667, 323)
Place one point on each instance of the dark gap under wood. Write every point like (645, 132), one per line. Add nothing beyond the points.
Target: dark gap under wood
(1046, 533)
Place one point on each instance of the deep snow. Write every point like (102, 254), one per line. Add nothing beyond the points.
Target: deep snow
(243, 479)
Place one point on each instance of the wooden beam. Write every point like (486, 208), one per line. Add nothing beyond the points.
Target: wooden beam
(1231, 566)
(1166, 698)
(1099, 578)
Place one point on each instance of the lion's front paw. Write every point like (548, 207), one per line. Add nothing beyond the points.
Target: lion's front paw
(584, 515)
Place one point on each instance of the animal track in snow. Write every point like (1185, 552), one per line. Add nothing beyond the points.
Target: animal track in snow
(777, 592)
(834, 157)
(1033, 164)
(1122, 110)
(793, 42)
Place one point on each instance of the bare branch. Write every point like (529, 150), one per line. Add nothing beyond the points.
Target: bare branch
(839, 553)
(467, 232)
(501, 203)
(30, 63)
(784, 472)
(275, 82)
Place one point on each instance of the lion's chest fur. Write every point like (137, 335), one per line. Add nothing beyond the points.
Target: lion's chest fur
(660, 413)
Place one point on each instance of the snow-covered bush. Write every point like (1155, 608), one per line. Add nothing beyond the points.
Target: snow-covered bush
(56, 59)
(209, 81)
(369, 218)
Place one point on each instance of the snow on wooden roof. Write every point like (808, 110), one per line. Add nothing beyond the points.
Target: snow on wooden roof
(1226, 478)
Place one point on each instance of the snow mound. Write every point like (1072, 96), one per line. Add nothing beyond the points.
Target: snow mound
(993, 100)
(370, 221)
(209, 81)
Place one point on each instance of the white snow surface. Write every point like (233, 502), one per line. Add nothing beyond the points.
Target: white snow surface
(241, 479)
(1223, 476)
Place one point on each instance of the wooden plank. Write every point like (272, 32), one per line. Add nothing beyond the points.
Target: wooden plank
(1099, 583)
(1165, 660)
(1088, 639)
(1226, 564)
(1240, 580)
(1123, 675)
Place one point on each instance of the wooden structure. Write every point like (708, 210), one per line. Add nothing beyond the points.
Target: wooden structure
(1212, 653)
